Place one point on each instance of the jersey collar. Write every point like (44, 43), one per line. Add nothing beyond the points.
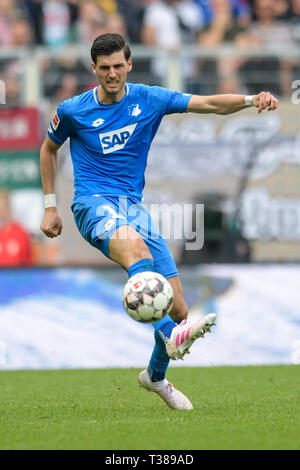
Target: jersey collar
(96, 96)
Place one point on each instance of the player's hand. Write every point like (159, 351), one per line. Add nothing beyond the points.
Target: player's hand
(51, 225)
(265, 100)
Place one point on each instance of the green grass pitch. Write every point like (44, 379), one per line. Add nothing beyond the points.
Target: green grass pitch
(234, 408)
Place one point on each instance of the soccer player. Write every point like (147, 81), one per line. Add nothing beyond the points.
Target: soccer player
(111, 128)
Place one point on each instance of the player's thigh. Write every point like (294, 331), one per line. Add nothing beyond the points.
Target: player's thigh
(126, 246)
(98, 218)
(179, 310)
(103, 222)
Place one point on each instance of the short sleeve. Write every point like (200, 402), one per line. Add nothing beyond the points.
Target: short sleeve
(178, 102)
(60, 126)
(168, 101)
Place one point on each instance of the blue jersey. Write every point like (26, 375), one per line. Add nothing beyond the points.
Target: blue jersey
(109, 143)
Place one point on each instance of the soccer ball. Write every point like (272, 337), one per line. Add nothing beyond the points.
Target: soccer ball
(147, 297)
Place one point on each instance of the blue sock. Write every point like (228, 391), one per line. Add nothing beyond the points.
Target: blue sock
(159, 360)
(145, 264)
(164, 327)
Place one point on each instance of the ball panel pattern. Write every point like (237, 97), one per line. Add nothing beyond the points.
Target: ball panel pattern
(147, 297)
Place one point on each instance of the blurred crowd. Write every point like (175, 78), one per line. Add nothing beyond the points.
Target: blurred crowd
(166, 24)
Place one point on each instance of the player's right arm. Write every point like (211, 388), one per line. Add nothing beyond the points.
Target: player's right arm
(230, 103)
(51, 224)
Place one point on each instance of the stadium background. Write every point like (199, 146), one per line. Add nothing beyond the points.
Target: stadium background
(61, 301)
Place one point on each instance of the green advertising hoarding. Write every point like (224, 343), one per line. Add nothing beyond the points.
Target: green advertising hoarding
(20, 170)
(20, 140)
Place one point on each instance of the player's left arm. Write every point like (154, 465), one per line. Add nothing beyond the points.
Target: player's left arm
(51, 224)
(230, 103)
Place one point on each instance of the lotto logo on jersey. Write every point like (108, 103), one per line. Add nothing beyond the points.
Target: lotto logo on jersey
(55, 121)
(116, 140)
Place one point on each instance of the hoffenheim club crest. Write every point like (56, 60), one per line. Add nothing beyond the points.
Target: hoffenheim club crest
(134, 110)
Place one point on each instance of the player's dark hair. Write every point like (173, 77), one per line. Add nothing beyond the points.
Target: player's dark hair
(107, 44)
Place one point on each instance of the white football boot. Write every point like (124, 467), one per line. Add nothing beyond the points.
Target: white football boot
(173, 397)
(183, 335)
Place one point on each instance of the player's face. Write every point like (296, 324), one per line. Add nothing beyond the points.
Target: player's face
(111, 72)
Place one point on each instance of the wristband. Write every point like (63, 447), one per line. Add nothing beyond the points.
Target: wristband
(50, 200)
(249, 100)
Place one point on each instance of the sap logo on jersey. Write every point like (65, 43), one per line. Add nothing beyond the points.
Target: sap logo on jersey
(116, 140)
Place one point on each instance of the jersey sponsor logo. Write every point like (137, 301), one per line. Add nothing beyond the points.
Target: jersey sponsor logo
(116, 140)
(98, 122)
(134, 110)
(55, 121)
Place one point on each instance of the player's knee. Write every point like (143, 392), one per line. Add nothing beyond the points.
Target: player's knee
(141, 251)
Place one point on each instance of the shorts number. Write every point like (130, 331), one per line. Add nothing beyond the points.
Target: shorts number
(111, 222)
